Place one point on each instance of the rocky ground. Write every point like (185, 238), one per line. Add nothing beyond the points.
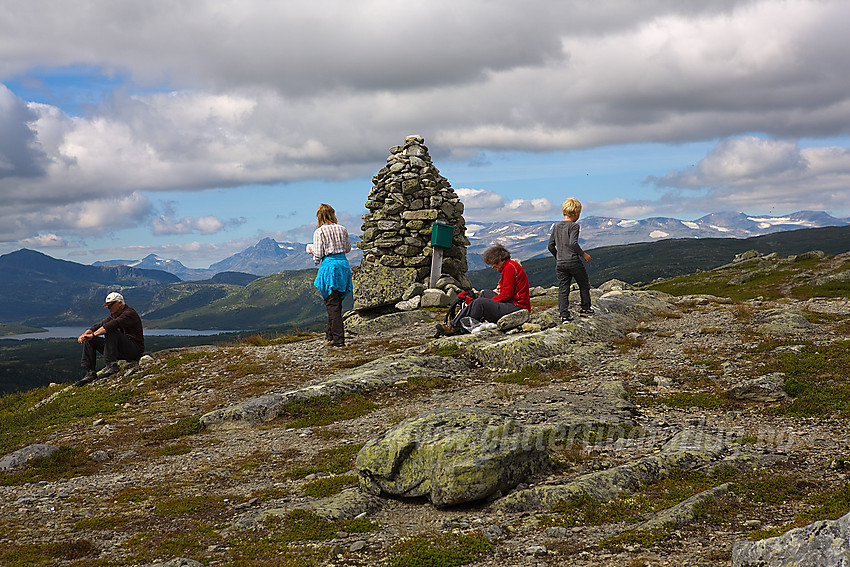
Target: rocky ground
(701, 345)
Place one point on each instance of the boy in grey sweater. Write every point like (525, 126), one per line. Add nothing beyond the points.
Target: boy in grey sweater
(564, 246)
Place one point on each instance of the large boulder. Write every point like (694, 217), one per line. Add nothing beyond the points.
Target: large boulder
(822, 544)
(19, 459)
(451, 456)
(378, 286)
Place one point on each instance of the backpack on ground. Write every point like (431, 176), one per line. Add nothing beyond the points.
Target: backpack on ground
(465, 298)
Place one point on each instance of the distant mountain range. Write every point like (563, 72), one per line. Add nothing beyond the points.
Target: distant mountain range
(38, 291)
(525, 240)
(528, 240)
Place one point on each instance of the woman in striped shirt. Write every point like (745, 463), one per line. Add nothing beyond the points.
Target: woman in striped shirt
(330, 244)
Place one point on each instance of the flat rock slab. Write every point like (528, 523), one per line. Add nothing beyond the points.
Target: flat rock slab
(615, 312)
(370, 376)
(686, 450)
(822, 544)
(451, 456)
(346, 505)
(783, 322)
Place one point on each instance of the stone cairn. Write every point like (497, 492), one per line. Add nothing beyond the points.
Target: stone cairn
(408, 196)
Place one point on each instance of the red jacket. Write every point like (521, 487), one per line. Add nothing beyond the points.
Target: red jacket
(513, 285)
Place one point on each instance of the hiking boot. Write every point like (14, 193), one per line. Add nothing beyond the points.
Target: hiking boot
(566, 318)
(90, 375)
(110, 369)
(586, 313)
(445, 329)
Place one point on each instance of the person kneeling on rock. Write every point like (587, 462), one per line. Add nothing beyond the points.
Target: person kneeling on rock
(118, 337)
(491, 306)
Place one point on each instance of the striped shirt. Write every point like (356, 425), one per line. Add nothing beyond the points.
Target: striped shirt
(330, 239)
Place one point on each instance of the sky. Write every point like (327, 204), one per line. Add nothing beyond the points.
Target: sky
(192, 129)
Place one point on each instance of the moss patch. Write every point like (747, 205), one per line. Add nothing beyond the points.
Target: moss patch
(327, 486)
(184, 426)
(324, 410)
(818, 378)
(335, 460)
(439, 551)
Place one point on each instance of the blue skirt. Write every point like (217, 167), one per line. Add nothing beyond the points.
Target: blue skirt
(334, 274)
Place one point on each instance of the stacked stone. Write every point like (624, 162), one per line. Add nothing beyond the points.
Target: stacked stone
(408, 196)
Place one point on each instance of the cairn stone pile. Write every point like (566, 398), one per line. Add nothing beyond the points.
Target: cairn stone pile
(408, 196)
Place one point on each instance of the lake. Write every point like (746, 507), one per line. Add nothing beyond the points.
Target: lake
(74, 332)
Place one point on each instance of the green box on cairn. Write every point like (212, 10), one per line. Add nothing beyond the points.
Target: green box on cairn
(442, 234)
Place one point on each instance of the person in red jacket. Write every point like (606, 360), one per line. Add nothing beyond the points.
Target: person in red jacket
(118, 337)
(491, 306)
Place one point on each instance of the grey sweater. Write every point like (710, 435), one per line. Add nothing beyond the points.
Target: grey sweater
(563, 243)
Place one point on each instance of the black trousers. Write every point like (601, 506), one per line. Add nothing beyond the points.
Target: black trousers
(335, 332)
(114, 346)
(566, 272)
(483, 308)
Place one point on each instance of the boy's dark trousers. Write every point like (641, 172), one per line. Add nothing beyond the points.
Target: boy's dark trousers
(335, 332)
(566, 272)
(114, 346)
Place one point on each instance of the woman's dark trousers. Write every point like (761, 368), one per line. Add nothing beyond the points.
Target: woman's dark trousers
(335, 331)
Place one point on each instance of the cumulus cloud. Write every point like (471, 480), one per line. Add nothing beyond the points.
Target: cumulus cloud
(745, 172)
(20, 155)
(482, 204)
(166, 223)
(46, 241)
(89, 218)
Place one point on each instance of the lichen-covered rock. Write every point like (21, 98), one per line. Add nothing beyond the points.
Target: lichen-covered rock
(377, 286)
(513, 320)
(18, 459)
(346, 505)
(409, 305)
(615, 285)
(451, 456)
(434, 298)
(764, 389)
(684, 512)
(616, 311)
(822, 544)
(685, 451)
(365, 322)
(783, 322)
(176, 562)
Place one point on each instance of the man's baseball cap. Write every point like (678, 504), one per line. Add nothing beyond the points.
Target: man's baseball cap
(113, 297)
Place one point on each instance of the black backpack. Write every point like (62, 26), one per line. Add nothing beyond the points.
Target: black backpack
(463, 298)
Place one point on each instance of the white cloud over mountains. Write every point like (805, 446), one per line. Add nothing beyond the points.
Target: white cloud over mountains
(230, 94)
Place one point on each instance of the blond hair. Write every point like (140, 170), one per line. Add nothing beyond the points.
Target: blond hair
(571, 207)
(326, 215)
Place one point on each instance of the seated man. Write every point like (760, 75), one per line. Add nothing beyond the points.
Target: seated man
(118, 337)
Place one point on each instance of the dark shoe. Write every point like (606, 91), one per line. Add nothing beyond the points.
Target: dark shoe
(338, 344)
(90, 376)
(110, 370)
(586, 313)
(445, 329)
(566, 318)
